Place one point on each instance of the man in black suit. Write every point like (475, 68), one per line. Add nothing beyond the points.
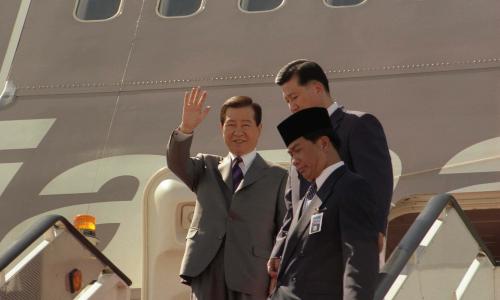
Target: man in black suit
(331, 249)
(360, 137)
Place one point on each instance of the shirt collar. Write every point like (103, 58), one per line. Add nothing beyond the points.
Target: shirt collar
(247, 160)
(327, 172)
(332, 108)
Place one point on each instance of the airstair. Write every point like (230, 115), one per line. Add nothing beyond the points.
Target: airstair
(441, 256)
(53, 260)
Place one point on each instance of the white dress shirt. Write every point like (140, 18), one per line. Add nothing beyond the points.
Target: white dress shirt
(332, 108)
(247, 160)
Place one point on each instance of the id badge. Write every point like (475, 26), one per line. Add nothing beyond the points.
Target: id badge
(316, 222)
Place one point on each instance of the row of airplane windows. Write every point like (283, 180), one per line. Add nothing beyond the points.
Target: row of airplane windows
(96, 10)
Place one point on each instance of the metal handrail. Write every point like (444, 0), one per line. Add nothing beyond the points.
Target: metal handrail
(37, 230)
(411, 240)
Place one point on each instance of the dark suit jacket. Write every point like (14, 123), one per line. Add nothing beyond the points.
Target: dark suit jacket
(362, 145)
(246, 221)
(340, 261)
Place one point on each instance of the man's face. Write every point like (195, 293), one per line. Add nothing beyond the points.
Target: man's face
(307, 157)
(299, 96)
(240, 131)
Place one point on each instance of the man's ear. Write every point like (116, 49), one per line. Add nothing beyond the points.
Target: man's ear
(260, 128)
(324, 142)
(318, 87)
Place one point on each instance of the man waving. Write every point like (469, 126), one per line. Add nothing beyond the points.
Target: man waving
(239, 205)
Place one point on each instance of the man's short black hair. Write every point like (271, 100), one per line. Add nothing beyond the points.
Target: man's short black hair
(238, 102)
(305, 70)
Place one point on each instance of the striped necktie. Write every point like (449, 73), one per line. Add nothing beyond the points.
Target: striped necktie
(311, 191)
(237, 173)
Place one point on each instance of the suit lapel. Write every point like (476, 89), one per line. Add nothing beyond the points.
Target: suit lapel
(300, 224)
(225, 172)
(255, 172)
(296, 213)
(298, 228)
(336, 117)
(295, 183)
(327, 188)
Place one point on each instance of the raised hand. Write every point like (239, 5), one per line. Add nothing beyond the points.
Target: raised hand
(193, 111)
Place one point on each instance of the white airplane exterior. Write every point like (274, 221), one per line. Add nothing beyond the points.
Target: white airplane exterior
(92, 90)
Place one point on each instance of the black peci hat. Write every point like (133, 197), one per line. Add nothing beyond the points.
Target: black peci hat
(304, 122)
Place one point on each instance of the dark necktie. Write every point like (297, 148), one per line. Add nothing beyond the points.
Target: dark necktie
(311, 191)
(237, 173)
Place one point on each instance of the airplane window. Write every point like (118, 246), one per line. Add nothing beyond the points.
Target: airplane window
(179, 8)
(93, 10)
(259, 5)
(342, 2)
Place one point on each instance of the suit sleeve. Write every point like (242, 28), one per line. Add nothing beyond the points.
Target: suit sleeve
(279, 244)
(280, 203)
(370, 158)
(188, 169)
(359, 242)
